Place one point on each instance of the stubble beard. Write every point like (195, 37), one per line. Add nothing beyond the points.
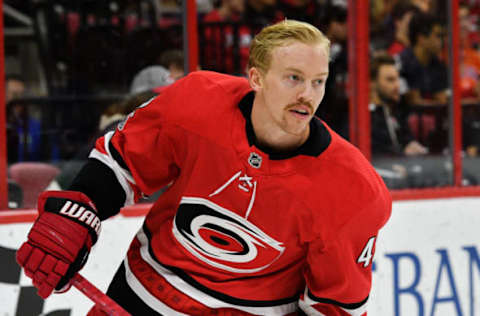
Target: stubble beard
(294, 128)
(299, 128)
(387, 99)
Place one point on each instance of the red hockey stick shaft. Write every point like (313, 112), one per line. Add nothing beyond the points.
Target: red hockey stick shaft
(104, 302)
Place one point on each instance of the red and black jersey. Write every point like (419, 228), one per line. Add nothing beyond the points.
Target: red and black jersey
(241, 229)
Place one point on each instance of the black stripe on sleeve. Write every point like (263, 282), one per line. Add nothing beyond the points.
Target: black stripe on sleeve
(333, 302)
(99, 183)
(116, 156)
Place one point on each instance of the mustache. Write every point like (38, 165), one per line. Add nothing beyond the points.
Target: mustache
(305, 103)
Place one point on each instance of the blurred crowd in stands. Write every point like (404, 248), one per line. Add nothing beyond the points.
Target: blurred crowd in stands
(115, 54)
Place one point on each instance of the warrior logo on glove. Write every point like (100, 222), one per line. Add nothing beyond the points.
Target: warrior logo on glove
(83, 215)
(59, 241)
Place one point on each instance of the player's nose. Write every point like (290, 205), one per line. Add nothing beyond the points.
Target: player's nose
(306, 93)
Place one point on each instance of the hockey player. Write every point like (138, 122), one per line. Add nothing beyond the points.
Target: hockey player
(268, 211)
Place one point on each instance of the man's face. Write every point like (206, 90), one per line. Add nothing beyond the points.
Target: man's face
(338, 31)
(464, 17)
(267, 3)
(14, 89)
(238, 6)
(300, 3)
(465, 21)
(435, 40)
(292, 88)
(176, 72)
(388, 84)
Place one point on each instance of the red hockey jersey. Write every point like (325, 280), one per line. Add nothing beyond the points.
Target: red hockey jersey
(241, 230)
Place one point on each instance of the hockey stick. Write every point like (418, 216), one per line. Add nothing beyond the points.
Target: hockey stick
(104, 302)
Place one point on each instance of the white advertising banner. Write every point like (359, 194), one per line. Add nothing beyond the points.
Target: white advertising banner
(427, 262)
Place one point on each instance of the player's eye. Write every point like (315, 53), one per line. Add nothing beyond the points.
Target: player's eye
(294, 77)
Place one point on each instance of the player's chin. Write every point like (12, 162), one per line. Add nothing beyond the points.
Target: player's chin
(297, 129)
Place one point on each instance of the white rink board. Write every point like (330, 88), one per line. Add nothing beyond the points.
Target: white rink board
(421, 239)
(104, 260)
(429, 245)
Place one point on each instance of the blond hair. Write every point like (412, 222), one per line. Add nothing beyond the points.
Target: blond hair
(281, 34)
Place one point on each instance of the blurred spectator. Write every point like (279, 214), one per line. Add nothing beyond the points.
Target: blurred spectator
(110, 118)
(224, 37)
(149, 78)
(173, 60)
(390, 131)
(469, 80)
(380, 24)
(424, 6)
(334, 107)
(469, 15)
(116, 113)
(427, 78)
(301, 10)
(425, 73)
(402, 13)
(471, 133)
(204, 5)
(469, 58)
(336, 25)
(262, 12)
(470, 76)
(380, 10)
(23, 130)
(14, 88)
(226, 10)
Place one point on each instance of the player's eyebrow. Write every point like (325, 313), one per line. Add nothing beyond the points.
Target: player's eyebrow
(301, 72)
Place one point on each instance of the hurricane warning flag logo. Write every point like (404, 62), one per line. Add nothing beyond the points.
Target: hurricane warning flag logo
(222, 238)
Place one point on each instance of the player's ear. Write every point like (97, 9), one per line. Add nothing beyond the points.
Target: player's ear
(255, 78)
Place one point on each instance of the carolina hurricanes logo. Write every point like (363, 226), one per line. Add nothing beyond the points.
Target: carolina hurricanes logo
(222, 238)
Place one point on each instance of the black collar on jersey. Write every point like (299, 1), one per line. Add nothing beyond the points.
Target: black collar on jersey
(317, 141)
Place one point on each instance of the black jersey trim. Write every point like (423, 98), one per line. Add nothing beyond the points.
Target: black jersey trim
(117, 157)
(120, 292)
(317, 142)
(97, 181)
(218, 295)
(333, 302)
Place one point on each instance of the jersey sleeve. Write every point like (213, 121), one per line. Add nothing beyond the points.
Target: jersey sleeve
(140, 152)
(338, 272)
